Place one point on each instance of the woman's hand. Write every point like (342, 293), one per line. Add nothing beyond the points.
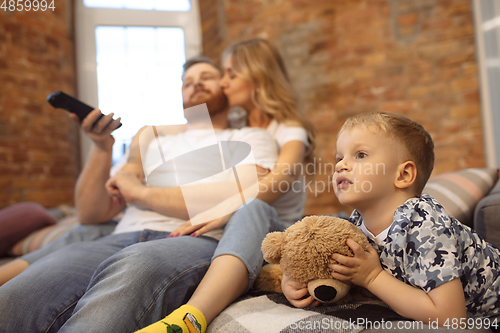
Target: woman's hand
(296, 292)
(187, 228)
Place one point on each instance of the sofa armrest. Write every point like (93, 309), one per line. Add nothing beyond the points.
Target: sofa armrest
(487, 217)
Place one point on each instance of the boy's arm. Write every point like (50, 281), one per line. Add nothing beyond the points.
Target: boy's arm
(444, 302)
(364, 269)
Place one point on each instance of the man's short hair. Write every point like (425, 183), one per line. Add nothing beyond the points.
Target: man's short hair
(198, 60)
(411, 135)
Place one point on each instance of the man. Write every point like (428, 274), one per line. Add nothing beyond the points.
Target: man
(136, 275)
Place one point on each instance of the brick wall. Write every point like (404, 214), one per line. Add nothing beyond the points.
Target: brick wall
(414, 57)
(38, 144)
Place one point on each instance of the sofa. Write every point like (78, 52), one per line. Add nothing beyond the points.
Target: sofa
(487, 216)
(471, 195)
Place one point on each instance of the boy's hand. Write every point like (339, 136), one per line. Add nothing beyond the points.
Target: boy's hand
(361, 269)
(295, 292)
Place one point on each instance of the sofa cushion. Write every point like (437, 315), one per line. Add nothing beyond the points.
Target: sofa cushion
(18, 221)
(459, 192)
(487, 217)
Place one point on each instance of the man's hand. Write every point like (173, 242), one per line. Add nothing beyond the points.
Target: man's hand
(296, 292)
(361, 269)
(125, 185)
(187, 228)
(100, 133)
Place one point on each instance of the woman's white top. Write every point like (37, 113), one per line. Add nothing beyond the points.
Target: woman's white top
(290, 206)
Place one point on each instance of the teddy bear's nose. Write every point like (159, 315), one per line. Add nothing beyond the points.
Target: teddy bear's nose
(325, 293)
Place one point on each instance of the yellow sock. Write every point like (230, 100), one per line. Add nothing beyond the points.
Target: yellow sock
(186, 319)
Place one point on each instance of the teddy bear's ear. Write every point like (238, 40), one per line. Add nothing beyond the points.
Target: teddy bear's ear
(271, 247)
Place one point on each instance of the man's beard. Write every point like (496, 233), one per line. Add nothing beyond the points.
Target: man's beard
(215, 103)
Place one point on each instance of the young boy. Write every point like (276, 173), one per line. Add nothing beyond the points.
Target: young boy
(431, 267)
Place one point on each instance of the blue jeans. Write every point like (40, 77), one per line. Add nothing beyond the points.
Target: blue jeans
(81, 233)
(145, 282)
(243, 235)
(243, 239)
(127, 281)
(244, 232)
(142, 284)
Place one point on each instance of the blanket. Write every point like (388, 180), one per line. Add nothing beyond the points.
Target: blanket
(271, 313)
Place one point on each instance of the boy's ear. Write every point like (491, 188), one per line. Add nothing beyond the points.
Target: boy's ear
(407, 173)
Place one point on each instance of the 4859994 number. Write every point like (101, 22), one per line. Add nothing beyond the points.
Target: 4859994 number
(27, 5)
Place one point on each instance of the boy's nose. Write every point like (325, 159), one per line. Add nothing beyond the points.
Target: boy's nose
(341, 166)
(342, 169)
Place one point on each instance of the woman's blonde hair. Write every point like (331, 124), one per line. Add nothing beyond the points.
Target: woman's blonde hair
(260, 63)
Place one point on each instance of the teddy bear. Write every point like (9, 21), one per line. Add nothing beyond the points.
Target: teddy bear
(303, 252)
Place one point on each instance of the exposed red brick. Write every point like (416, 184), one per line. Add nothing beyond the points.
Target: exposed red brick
(408, 19)
(36, 58)
(348, 57)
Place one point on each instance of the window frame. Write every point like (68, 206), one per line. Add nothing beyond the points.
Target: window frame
(489, 119)
(87, 19)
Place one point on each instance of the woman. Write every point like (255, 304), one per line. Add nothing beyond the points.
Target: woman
(255, 78)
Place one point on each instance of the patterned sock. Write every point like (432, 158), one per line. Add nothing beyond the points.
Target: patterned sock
(186, 319)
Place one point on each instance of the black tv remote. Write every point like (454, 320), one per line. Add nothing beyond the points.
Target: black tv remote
(60, 100)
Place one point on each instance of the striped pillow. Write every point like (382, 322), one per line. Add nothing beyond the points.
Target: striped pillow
(43, 236)
(460, 191)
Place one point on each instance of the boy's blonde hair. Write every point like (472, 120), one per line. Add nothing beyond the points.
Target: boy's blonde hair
(415, 139)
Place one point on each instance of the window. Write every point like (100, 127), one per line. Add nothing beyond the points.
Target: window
(139, 78)
(172, 5)
(487, 21)
(129, 61)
